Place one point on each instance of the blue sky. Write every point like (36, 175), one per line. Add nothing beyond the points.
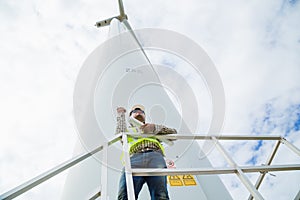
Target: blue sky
(255, 46)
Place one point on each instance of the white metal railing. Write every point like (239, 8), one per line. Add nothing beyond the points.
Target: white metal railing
(233, 169)
(52, 172)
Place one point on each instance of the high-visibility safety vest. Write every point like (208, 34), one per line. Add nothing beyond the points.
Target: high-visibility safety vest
(134, 142)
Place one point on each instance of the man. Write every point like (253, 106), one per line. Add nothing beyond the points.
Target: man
(144, 153)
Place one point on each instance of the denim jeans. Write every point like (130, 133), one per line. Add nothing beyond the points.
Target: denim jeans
(157, 184)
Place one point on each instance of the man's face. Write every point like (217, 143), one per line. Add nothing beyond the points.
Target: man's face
(139, 115)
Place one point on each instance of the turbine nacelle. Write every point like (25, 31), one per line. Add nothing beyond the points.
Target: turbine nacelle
(121, 17)
(107, 22)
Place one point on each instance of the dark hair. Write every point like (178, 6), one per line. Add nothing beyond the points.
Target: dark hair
(135, 109)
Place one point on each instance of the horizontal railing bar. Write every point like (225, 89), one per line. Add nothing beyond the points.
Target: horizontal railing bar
(52, 172)
(208, 171)
(209, 137)
(269, 168)
(182, 171)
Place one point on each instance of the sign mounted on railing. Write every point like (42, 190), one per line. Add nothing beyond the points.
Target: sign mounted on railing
(175, 180)
(179, 180)
(189, 180)
(182, 180)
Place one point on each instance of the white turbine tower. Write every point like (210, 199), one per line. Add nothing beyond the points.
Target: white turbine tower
(130, 78)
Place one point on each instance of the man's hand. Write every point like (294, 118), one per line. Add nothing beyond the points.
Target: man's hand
(148, 128)
(121, 110)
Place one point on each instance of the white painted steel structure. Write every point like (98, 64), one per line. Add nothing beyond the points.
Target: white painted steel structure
(233, 169)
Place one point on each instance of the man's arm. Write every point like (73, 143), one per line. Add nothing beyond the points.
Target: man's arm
(121, 121)
(163, 130)
(157, 129)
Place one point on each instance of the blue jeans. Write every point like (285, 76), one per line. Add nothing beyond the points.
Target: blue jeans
(157, 184)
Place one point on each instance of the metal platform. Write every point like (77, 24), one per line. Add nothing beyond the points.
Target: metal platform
(233, 169)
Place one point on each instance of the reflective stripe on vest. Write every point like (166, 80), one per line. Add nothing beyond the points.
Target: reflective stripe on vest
(135, 141)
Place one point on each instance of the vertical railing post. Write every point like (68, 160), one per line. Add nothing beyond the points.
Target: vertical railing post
(104, 173)
(291, 146)
(263, 174)
(253, 191)
(128, 171)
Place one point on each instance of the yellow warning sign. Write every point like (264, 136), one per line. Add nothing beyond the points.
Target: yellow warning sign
(185, 180)
(189, 180)
(175, 181)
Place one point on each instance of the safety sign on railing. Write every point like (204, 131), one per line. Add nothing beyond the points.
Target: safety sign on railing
(179, 180)
(182, 180)
(175, 181)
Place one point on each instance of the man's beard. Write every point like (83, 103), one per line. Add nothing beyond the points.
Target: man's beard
(140, 118)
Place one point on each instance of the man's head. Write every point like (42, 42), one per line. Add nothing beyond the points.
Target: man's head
(138, 112)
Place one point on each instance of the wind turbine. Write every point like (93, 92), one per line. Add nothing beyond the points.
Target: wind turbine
(83, 180)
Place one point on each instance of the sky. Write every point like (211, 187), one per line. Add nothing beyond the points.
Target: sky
(255, 46)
